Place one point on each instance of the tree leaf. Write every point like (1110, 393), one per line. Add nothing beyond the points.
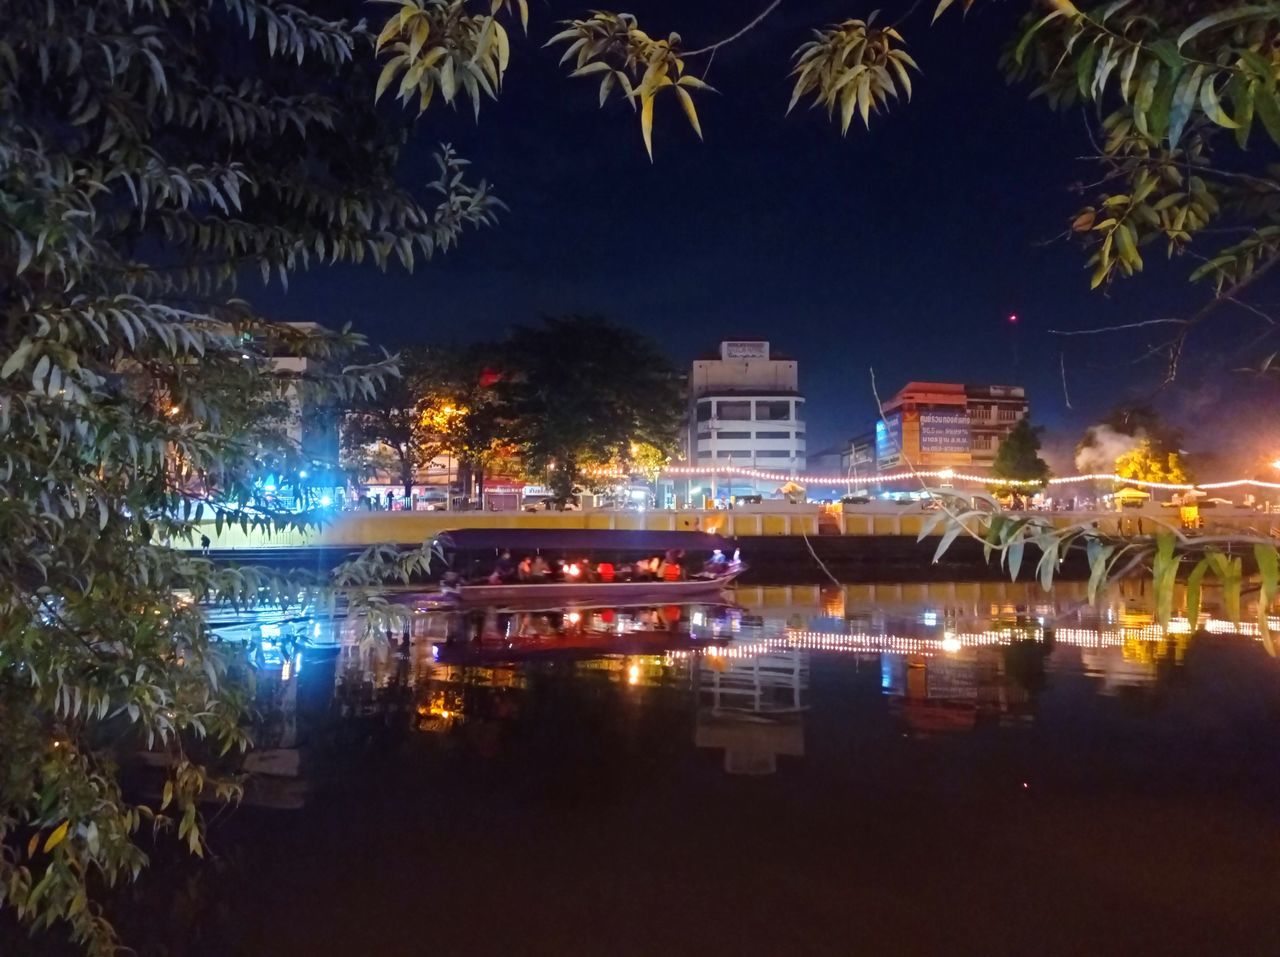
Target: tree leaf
(1213, 108)
(948, 537)
(57, 837)
(1021, 48)
(646, 122)
(1014, 553)
(1193, 593)
(1268, 111)
(687, 102)
(1184, 99)
(1223, 17)
(16, 359)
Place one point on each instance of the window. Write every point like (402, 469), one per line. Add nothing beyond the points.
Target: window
(800, 436)
(1007, 415)
(773, 454)
(773, 435)
(733, 435)
(739, 454)
(773, 411)
(704, 412)
(704, 436)
(735, 411)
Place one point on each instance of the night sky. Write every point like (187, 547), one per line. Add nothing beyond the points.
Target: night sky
(904, 249)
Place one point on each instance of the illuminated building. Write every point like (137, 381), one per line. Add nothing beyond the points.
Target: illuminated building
(944, 425)
(745, 409)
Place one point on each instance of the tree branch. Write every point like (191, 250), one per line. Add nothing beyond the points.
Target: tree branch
(734, 36)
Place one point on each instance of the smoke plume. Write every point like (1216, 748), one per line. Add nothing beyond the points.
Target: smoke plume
(1102, 446)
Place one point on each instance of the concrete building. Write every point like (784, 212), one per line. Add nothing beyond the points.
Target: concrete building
(314, 431)
(937, 425)
(746, 410)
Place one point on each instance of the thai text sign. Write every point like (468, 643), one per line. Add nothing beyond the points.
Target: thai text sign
(944, 432)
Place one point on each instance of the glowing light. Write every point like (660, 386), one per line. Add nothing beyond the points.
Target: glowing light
(1013, 317)
(325, 501)
(302, 474)
(950, 643)
(633, 675)
(573, 618)
(573, 571)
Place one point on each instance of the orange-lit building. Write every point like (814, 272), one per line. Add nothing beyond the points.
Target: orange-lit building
(936, 425)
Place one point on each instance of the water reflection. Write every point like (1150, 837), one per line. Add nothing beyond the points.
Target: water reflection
(947, 658)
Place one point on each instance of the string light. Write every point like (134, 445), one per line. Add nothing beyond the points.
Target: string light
(949, 475)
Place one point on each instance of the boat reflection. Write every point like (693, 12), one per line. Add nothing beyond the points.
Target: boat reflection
(946, 658)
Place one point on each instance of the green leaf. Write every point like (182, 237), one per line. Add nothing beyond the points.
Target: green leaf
(1021, 48)
(598, 66)
(1184, 99)
(1269, 569)
(1145, 94)
(1162, 104)
(16, 359)
(1168, 54)
(1193, 593)
(1084, 69)
(1014, 552)
(948, 537)
(1265, 105)
(1223, 17)
(1213, 108)
(1099, 555)
(1240, 93)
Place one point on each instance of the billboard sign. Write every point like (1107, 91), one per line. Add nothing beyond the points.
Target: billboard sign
(889, 439)
(944, 432)
(746, 350)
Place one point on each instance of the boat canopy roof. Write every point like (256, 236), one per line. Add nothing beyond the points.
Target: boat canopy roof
(586, 539)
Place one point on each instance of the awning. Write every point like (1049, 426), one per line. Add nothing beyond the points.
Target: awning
(584, 539)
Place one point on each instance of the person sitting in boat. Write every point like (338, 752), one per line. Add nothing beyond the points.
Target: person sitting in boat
(524, 571)
(717, 564)
(672, 568)
(505, 570)
(539, 569)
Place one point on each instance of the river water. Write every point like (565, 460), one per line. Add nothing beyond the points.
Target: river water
(879, 769)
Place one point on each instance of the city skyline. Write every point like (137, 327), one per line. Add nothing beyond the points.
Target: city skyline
(902, 249)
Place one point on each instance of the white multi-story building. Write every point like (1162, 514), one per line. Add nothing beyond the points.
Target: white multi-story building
(746, 410)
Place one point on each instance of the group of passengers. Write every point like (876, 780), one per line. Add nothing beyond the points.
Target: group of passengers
(534, 569)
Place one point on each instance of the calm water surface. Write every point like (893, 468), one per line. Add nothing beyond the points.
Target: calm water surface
(888, 769)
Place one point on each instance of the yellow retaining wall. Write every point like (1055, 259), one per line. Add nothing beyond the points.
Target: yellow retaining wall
(356, 529)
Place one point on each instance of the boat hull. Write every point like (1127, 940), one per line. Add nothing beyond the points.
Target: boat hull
(596, 593)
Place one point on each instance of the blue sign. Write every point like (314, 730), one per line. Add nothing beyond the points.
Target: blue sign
(889, 439)
(944, 432)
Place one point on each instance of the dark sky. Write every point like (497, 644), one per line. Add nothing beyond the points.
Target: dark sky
(904, 249)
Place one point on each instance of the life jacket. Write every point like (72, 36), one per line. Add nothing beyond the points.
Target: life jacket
(671, 571)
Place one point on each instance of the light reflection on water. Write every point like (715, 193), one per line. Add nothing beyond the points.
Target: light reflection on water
(909, 769)
(949, 658)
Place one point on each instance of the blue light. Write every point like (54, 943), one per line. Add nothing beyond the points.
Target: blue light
(325, 501)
